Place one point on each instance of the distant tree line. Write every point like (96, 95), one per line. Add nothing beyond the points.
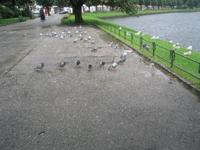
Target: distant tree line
(128, 6)
(170, 3)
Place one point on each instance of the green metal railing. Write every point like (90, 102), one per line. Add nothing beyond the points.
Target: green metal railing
(170, 56)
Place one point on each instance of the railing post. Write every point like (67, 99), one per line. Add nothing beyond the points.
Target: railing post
(125, 35)
(154, 48)
(172, 57)
(199, 67)
(141, 42)
(131, 38)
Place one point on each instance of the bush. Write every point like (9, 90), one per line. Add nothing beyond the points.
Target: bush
(17, 12)
(6, 12)
(21, 19)
(27, 13)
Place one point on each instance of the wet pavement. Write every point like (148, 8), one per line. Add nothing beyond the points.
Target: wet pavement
(136, 106)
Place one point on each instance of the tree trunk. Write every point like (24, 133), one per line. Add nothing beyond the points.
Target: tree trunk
(140, 7)
(13, 4)
(78, 14)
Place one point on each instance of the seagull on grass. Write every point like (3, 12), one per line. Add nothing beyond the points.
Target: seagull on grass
(189, 52)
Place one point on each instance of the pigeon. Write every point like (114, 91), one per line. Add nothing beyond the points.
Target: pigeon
(94, 50)
(77, 32)
(75, 40)
(62, 64)
(89, 67)
(80, 27)
(85, 39)
(78, 63)
(176, 46)
(187, 53)
(102, 63)
(89, 37)
(123, 57)
(93, 42)
(155, 37)
(138, 33)
(85, 32)
(41, 34)
(145, 46)
(128, 34)
(61, 37)
(39, 67)
(189, 48)
(113, 66)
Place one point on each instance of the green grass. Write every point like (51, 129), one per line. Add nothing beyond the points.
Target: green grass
(186, 67)
(4, 22)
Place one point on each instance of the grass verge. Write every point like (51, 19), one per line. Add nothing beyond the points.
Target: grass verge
(4, 22)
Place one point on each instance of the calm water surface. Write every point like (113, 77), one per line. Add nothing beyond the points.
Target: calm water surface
(179, 27)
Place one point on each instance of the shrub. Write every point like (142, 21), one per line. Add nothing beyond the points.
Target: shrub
(6, 12)
(21, 19)
(27, 13)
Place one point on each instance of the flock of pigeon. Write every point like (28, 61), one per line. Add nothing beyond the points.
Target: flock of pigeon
(81, 35)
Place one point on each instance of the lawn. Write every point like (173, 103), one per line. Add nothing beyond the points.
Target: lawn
(186, 67)
(4, 22)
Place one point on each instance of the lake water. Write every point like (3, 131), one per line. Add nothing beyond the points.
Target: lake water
(179, 27)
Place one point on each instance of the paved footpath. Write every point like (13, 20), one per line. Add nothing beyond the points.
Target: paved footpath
(136, 106)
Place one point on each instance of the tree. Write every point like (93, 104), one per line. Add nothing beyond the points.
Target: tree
(61, 3)
(147, 3)
(77, 9)
(154, 3)
(141, 2)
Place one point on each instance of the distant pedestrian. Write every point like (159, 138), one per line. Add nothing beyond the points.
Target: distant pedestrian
(42, 15)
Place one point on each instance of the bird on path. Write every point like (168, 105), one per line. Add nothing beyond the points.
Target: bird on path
(123, 57)
(39, 67)
(78, 63)
(89, 67)
(75, 41)
(113, 66)
(189, 48)
(62, 64)
(102, 63)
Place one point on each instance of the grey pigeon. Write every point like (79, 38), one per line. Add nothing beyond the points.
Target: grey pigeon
(62, 64)
(89, 67)
(94, 50)
(113, 66)
(102, 63)
(39, 67)
(78, 63)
